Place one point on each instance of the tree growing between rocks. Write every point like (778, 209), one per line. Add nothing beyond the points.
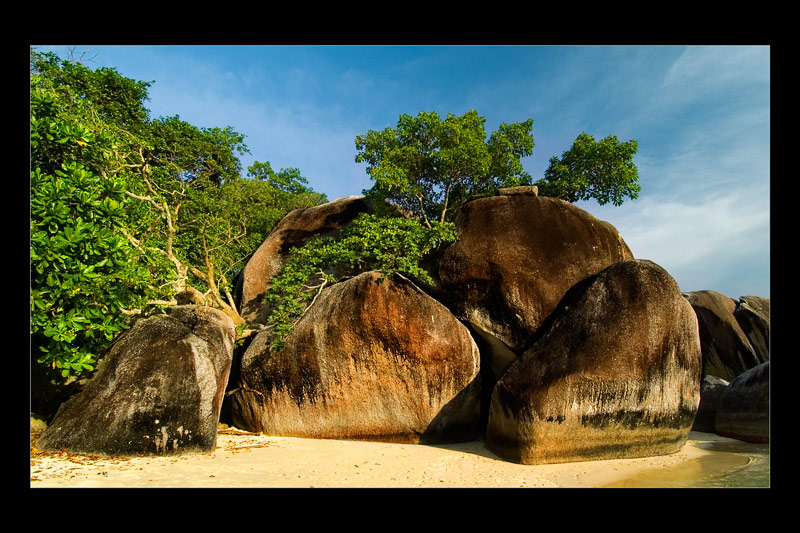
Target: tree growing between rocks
(423, 170)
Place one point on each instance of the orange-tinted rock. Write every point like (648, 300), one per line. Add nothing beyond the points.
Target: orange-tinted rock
(616, 374)
(158, 391)
(369, 360)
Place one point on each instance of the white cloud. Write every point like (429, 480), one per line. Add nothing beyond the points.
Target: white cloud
(705, 69)
(721, 243)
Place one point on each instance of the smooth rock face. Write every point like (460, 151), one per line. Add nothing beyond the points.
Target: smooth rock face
(743, 409)
(296, 228)
(516, 258)
(617, 374)
(711, 389)
(727, 352)
(373, 361)
(752, 314)
(158, 390)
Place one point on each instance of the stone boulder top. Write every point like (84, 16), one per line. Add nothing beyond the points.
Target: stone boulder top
(516, 257)
(523, 190)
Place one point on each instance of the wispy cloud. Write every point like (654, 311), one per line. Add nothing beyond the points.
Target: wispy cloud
(708, 69)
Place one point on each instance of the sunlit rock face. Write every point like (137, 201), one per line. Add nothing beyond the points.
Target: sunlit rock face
(516, 257)
(374, 360)
(743, 408)
(158, 391)
(294, 230)
(616, 374)
(727, 351)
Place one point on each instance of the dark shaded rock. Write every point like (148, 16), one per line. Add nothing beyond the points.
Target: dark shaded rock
(374, 361)
(711, 389)
(726, 349)
(616, 374)
(752, 314)
(743, 408)
(158, 390)
(516, 258)
(294, 230)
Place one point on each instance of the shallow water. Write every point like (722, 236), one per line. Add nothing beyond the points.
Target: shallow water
(732, 464)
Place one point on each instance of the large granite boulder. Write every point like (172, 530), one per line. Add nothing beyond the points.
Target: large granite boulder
(294, 230)
(752, 314)
(516, 258)
(373, 360)
(743, 408)
(711, 390)
(616, 374)
(158, 390)
(727, 351)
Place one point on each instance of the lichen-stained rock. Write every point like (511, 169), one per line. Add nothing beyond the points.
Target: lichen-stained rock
(617, 374)
(373, 361)
(727, 351)
(295, 229)
(515, 259)
(743, 408)
(158, 390)
(752, 315)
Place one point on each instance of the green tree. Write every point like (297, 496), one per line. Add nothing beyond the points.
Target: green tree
(130, 214)
(430, 166)
(603, 170)
(83, 270)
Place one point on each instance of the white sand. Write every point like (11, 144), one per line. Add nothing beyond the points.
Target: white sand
(243, 460)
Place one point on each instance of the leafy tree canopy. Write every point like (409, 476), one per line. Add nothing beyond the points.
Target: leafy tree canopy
(603, 170)
(130, 214)
(429, 166)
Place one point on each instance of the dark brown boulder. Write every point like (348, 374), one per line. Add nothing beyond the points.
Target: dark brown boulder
(616, 374)
(711, 389)
(516, 258)
(752, 315)
(727, 352)
(743, 408)
(296, 228)
(158, 390)
(370, 360)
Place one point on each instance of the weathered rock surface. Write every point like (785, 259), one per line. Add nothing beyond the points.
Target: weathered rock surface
(711, 389)
(158, 390)
(617, 374)
(752, 315)
(516, 258)
(727, 352)
(743, 408)
(369, 360)
(296, 228)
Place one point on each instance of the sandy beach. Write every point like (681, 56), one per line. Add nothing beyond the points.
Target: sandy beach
(243, 460)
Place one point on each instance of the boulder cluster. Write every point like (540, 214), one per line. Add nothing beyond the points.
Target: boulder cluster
(542, 333)
(734, 336)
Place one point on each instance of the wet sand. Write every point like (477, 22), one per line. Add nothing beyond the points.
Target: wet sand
(258, 461)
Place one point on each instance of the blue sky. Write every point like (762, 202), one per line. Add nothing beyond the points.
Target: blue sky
(700, 115)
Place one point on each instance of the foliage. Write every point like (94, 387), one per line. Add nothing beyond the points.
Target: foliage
(386, 244)
(603, 170)
(429, 166)
(129, 213)
(82, 268)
